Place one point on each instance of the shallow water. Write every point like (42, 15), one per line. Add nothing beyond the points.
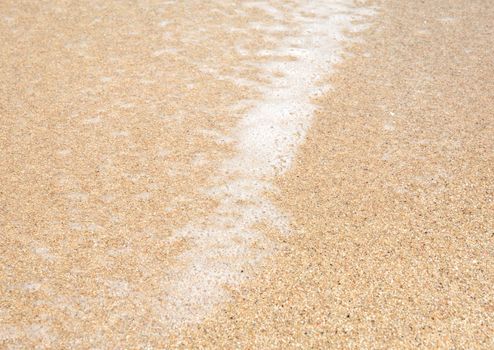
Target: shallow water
(140, 145)
(226, 242)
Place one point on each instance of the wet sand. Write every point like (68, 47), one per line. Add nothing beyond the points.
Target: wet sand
(137, 141)
(390, 197)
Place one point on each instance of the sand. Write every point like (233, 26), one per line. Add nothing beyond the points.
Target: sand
(228, 241)
(133, 164)
(392, 195)
(390, 198)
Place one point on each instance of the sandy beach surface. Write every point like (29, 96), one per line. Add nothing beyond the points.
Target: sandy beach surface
(260, 174)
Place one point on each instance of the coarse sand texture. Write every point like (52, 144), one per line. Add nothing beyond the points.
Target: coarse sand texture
(247, 174)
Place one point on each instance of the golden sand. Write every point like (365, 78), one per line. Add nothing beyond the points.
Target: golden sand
(104, 153)
(391, 195)
(119, 123)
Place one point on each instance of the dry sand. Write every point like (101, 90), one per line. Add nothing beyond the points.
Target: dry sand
(391, 195)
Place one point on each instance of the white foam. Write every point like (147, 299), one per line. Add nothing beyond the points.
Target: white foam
(225, 244)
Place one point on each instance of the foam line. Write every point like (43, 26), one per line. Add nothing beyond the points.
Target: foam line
(225, 243)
